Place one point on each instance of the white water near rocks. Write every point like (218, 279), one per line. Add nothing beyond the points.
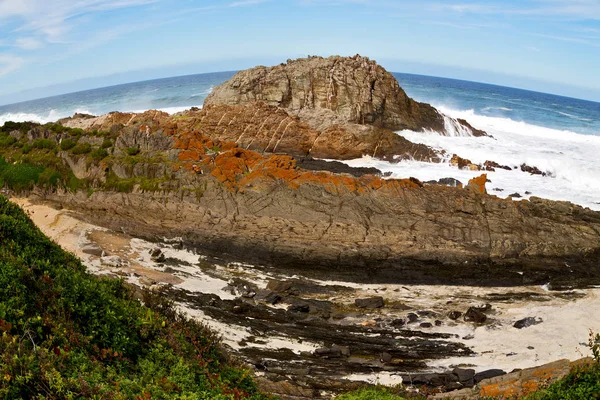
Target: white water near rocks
(569, 159)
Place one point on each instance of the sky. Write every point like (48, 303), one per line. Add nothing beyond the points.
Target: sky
(50, 47)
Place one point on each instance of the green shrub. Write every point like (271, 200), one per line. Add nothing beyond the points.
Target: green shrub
(6, 141)
(99, 154)
(67, 144)
(132, 151)
(66, 334)
(22, 127)
(81, 148)
(376, 393)
(43, 144)
(26, 148)
(21, 176)
(49, 178)
(106, 143)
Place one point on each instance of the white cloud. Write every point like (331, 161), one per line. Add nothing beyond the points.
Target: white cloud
(9, 63)
(50, 18)
(28, 43)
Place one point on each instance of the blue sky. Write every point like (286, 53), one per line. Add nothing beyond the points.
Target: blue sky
(64, 45)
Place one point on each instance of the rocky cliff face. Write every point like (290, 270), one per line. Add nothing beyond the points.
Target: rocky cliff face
(331, 91)
(209, 187)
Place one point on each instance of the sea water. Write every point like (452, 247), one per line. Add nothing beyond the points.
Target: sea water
(558, 135)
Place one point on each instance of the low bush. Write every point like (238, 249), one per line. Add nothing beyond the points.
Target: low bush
(67, 144)
(81, 148)
(66, 334)
(43, 144)
(99, 154)
(106, 143)
(132, 151)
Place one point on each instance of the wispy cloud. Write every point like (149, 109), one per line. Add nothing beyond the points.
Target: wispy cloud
(28, 43)
(9, 63)
(244, 3)
(51, 18)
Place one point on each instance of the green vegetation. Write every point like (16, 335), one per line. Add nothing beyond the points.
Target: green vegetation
(66, 334)
(19, 176)
(81, 148)
(99, 154)
(132, 151)
(374, 393)
(106, 143)
(43, 144)
(67, 144)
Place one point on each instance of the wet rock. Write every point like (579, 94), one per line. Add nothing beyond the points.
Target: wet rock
(299, 307)
(427, 314)
(532, 170)
(157, 255)
(454, 315)
(279, 286)
(426, 325)
(446, 182)
(311, 164)
(438, 322)
(465, 376)
(527, 322)
(328, 352)
(434, 380)
(398, 323)
(490, 373)
(515, 195)
(484, 308)
(498, 190)
(475, 315)
(92, 249)
(463, 163)
(372, 302)
(412, 317)
(492, 165)
(385, 357)
(268, 296)
(345, 350)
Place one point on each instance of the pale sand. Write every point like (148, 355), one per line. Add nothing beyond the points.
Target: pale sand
(562, 334)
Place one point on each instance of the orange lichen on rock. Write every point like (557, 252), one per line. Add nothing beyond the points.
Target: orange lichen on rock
(478, 183)
(239, 168)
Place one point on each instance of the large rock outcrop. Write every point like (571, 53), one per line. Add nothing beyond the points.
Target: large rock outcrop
(335, 91)
(260, 207)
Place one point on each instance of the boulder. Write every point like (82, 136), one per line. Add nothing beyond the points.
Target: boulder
(92, 249)
(475, 315)
(268, 296)
(527, 322)
(372, 302)
(487, 374)
(478, 184)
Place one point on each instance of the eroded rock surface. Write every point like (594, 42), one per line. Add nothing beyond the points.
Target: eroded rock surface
(336, 90)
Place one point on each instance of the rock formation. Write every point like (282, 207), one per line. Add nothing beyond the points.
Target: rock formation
(335, 91)
(260, 207)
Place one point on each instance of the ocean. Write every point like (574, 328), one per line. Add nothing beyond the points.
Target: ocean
(559, 135)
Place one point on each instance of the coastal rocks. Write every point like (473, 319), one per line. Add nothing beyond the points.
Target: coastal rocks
(527, 322)
(331, 91)
(372, 302)
(475, 315)
(532, 170)
(478, 184)
(463, 163)
(92, 249)
(518, 384)
(452, 182)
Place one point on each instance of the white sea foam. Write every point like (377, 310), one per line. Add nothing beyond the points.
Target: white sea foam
(53, 115)
(569, 158)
